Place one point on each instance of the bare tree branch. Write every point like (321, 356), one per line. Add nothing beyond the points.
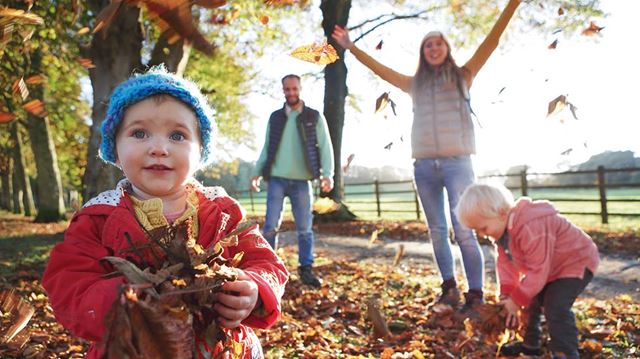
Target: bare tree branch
(396, 17)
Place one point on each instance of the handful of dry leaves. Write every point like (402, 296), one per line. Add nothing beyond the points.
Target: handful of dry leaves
(160, 309)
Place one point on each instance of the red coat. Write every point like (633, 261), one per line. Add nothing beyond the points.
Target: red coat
(543, 246)
(79, 294)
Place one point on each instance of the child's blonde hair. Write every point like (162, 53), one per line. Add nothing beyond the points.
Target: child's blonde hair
(487, 200)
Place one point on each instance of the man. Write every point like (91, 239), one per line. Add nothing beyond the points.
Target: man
(297, 150)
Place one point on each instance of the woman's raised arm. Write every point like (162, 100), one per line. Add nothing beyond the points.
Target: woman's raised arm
(490, 43)
(403, 82)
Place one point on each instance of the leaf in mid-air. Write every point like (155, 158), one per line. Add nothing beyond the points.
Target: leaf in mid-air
(35, 107)
(316, 53)
(592, 30)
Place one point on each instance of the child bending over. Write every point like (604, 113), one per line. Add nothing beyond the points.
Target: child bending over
(544, 262)
(158, 131)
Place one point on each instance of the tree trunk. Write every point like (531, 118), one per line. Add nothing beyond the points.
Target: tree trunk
(20, 174)
(115, 52)
(7, 184)
(48, 181)
(174, 56)
(17, 194)
(336, 12)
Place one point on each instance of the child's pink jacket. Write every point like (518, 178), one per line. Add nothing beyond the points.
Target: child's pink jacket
(81, 296)
(542, 246)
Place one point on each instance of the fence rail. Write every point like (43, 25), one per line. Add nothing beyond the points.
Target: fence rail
(393, 200)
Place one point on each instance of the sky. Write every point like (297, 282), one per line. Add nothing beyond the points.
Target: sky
(597, 74)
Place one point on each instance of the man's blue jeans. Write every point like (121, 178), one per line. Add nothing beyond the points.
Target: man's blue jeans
(300, 195)
(432, 176)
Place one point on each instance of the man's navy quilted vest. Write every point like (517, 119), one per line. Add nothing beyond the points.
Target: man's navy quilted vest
(306, 123)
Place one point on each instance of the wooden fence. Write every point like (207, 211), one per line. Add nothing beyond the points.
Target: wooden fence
(376, 197)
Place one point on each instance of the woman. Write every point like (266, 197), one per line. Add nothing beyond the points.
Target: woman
(442, 141)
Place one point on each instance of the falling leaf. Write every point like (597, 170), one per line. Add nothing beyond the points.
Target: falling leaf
(592, 30)
(86, 63)
(379, 46)
(5, 34)
(388, 146)
(374, 235)
(556, 31)
(83, 31)
(19, 313)
(345, 169)
(553, 45)
(381, 102)
(35, 80)
(264, 19)
(573, 110)
(325, 205)
(556, 105)
(106, 15)
(566, 152)
(399, 253)
(502, 90)
(15, 16)
(319, 54)
(6, 117)
(380, 328)
(35, 107)
(393, 107)
(20, 88)
(560, 11)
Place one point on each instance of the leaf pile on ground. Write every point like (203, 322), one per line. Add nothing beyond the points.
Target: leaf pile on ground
(333, 321)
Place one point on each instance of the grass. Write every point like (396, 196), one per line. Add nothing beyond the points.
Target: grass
(361, 200)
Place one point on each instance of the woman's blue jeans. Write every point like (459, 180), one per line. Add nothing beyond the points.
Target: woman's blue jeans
(300, 195)
(432, 176)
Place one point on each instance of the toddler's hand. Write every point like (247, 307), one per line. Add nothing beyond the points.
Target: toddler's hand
(237, 300)
(513, 313)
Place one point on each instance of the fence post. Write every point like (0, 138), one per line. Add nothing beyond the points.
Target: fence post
(253, 209)
(415, 198)
(603, 195)
(376, 186)
(524, 186)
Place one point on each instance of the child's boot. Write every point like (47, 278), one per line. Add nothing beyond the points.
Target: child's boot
(450, 294)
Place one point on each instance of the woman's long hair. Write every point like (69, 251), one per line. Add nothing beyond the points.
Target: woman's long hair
(447, 72)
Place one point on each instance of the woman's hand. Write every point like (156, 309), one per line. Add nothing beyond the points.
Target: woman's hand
(236, 301)
(513, 313)
(341, 35)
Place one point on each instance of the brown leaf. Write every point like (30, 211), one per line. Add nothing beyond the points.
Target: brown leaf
(35, 80)
(592, 30)
(556, 105)
(380, 328)
(15, 16)
(399, 253)
(106, 15)
(35, 107)
(560, 11)
(16, 314)
(20, 88)
(345, 168)
(381, 102)
(553, 45)
(6, 117)
(379, 46)
(264, 19)
(86, 63)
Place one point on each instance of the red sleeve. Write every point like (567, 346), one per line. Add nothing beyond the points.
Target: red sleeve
(262, 264)
(79, 295)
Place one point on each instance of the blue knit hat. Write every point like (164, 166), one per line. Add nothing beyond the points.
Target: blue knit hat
(156, 81)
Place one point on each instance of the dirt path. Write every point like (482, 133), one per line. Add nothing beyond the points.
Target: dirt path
(617, 274)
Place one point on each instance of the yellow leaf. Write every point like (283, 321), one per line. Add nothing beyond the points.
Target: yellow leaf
(320, 54)
(83, 31)
(325, 205)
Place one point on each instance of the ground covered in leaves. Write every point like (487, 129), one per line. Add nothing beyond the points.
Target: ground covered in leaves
(332, 321)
